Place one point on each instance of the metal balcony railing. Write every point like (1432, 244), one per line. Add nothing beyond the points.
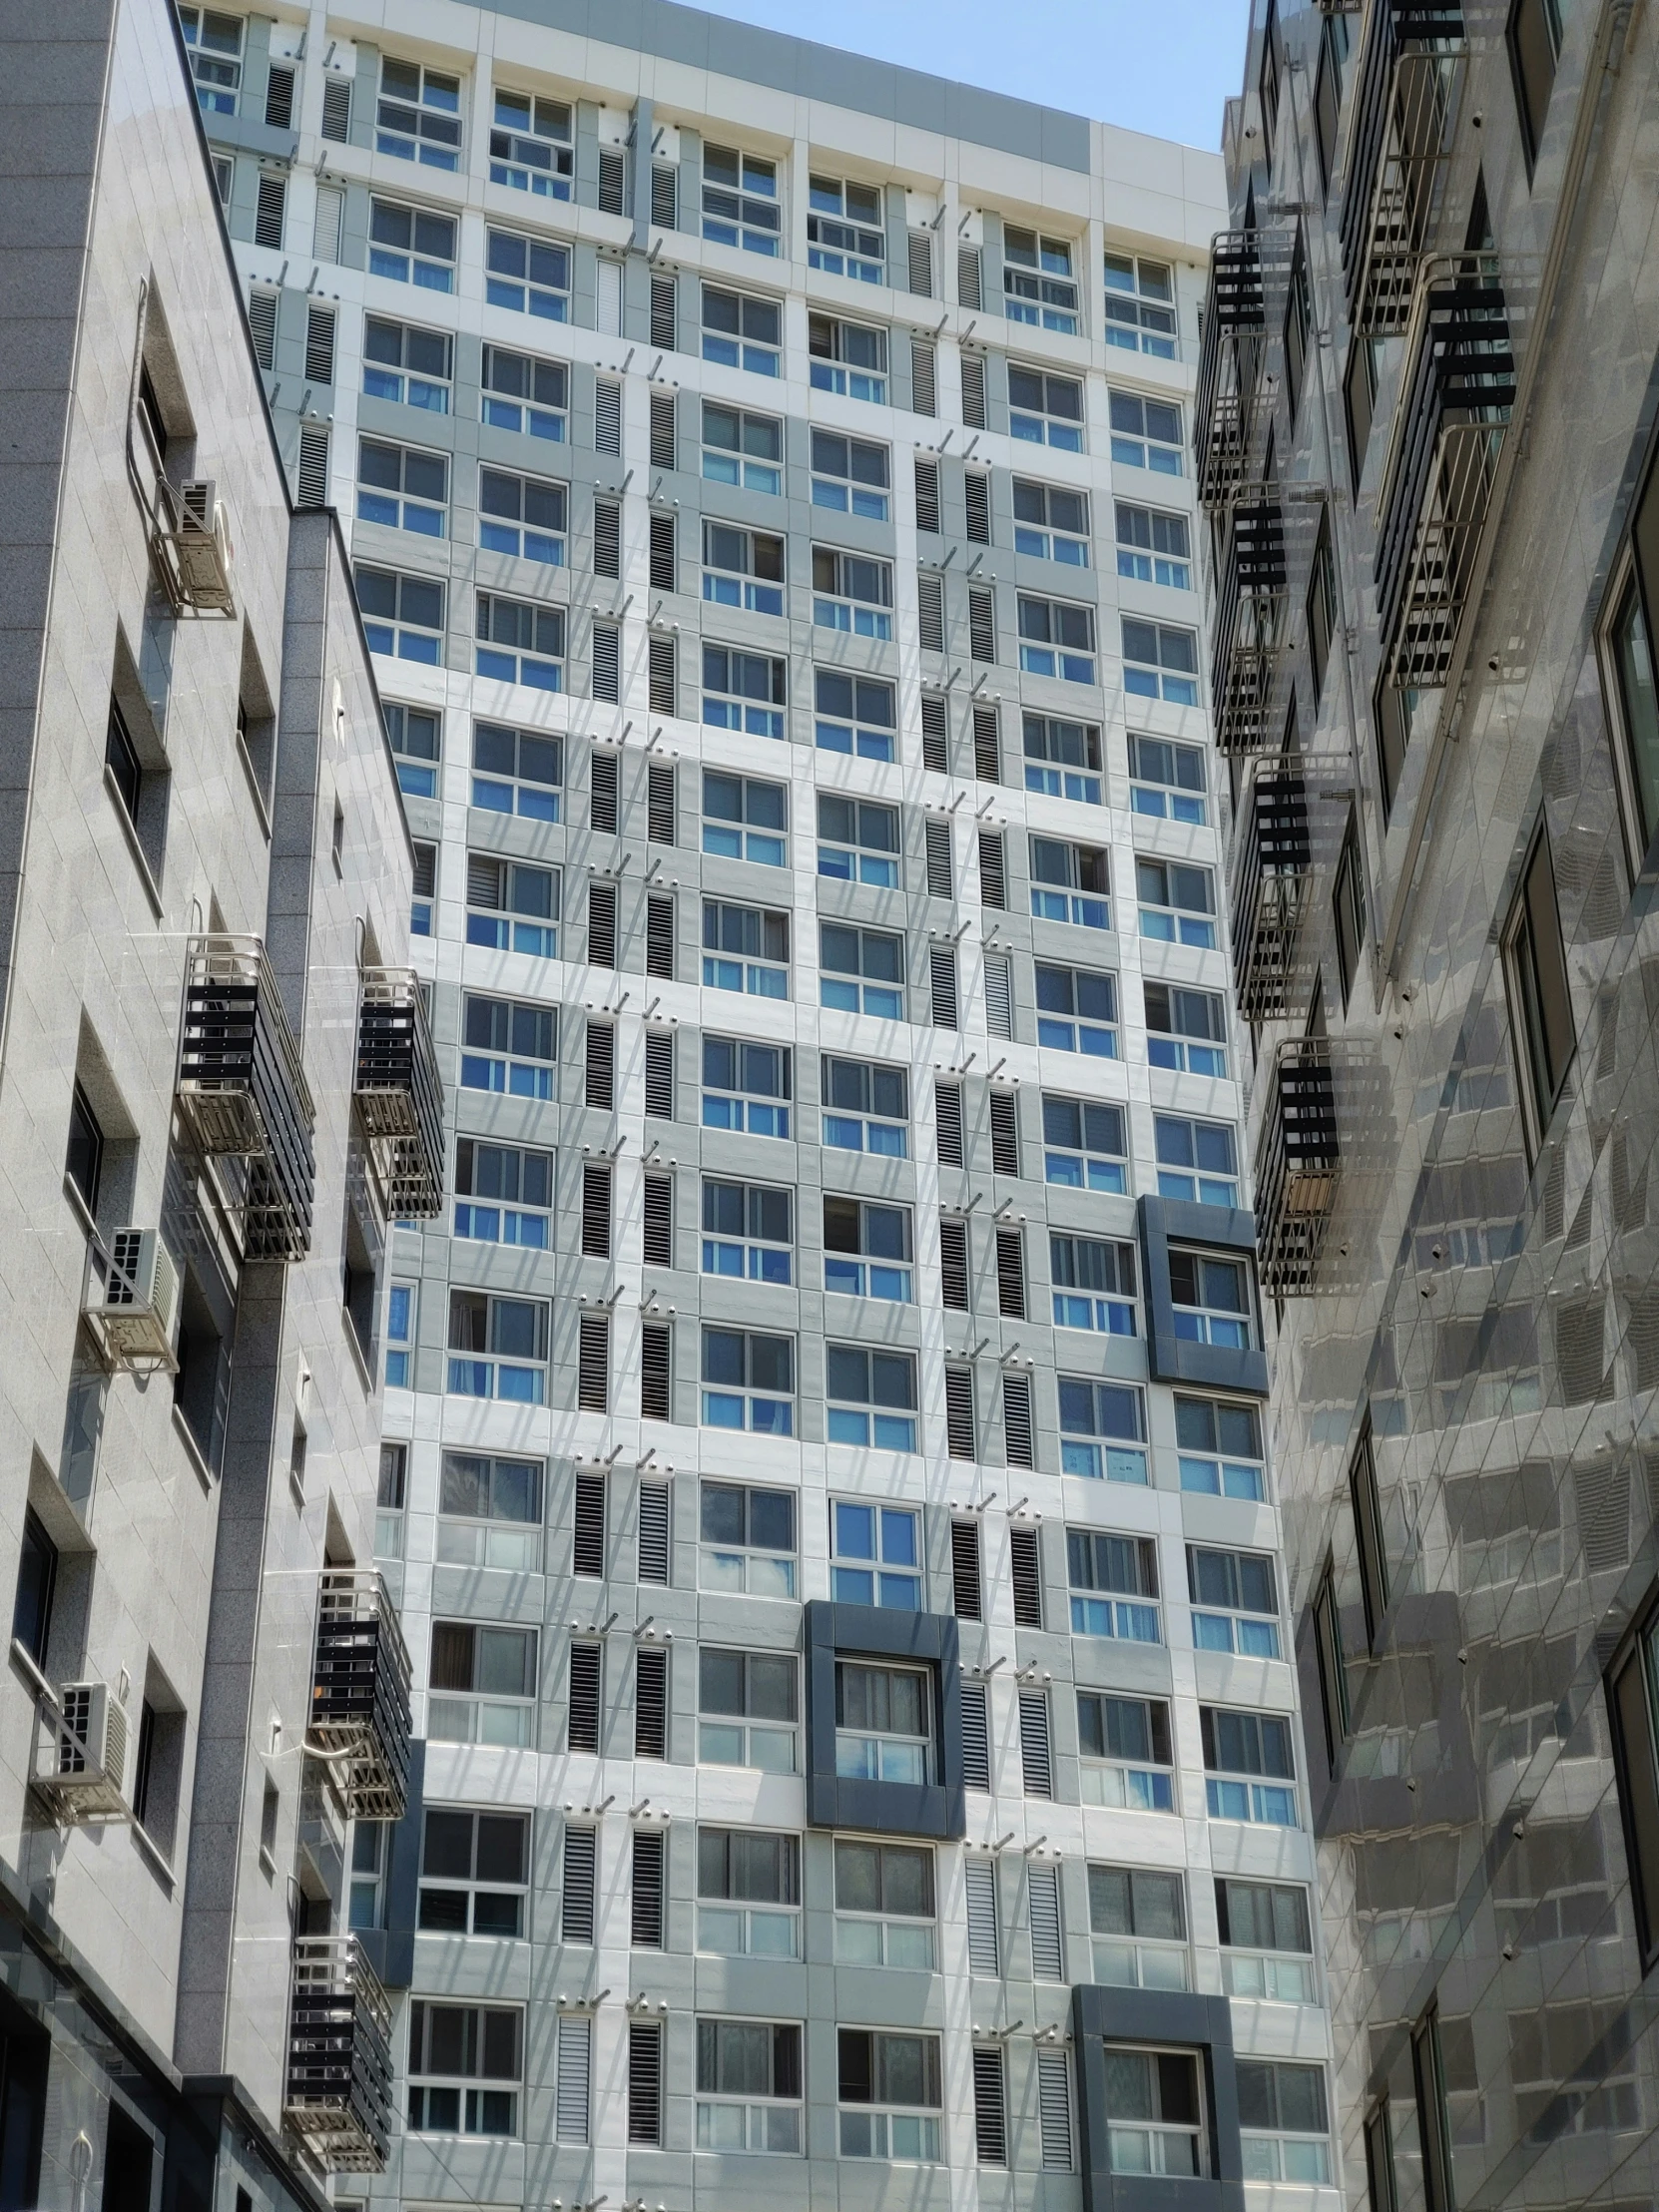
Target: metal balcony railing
(242, 1092)
(1450, 426)
(1271, 882)
(399, 1097)
(1297, 1166)
(1405, 111)
(1251, 611)
(360, 1693)
(1247, 271)
(338, 2097)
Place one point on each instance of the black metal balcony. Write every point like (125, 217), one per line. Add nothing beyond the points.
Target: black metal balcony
(1270, 887)
(1454, 412)
(361, 1694)
(1246, 268)
(1251, 607)
(1297, 1166)
(399, 1097)
(1410, 75)
(338, 2098)
(242, 1092)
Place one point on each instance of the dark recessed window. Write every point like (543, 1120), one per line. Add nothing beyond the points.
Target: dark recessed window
(1632, 1702)
(1321, 608)
(1347, 900)
(122, 761)
(1534, 39)
(1359, 400)
(1328, 101)
(1632, 653)
(85, 1160)
(1540, 1000)
(37, 1580)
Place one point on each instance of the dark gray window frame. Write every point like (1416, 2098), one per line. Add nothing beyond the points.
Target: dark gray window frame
(933, 1809)
(1172, 1359)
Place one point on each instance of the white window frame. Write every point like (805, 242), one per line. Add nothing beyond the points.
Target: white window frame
(757, 1113)
(778, 1918)
(756, 976)
(750, 214)
(836, 1127)
(884, 1936)
(1106, 1451)
(434, 391)
(1056, 777)
(1038, 535)
(1139, 447)
(777, 1739)
(498, 1219)
(507, 1540)
(737, 581)
(515, 536)
(531, 413)
(760, 1258)
(420, 266)
(433, 133)
(765, 475)
(748, 1569)
(1210, 1470)
(1096, 1169)
(838, 485)
(1154, 795)
(532, 150)
(469, 2096)
(833, 371)
(540, 287)
(838, 601)
(837, 241)
(730, 837)
(491, 1717)
(532, 797)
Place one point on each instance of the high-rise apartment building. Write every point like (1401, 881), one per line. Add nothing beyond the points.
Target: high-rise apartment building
(1424, 455)
(824, 1478)
(216, 1089)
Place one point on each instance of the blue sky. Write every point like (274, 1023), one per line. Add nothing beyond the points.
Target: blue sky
(1115, 59)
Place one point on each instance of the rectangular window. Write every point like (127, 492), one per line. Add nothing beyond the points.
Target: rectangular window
(862, 970)
(743, 568)
(1160, 662)
(530, 145)
(1114, 1586)
(748, 1541)
(749, 1381)
(739, 200)
(1069, 883)
(865, 1107)
(1284, 2121)
(516, 771)
(1212, 1299)
(872, 1397)
(523, 394)
(1176, 902)
(852, 591)
(519, 643)
(891, 2096)
(84, 1155)
(401, 488)
(1045, 409)
(465, 2067)
(867, 1249)
(1369, 1545)
(883, 1723)
(523, 516)
(1196, 1160)
(401, 1313)
(402, 615)
(1235, 1602)
(1298, 324)
(855, 715)
(507, 1047)
(1154, 2113)
(849, 359)
(1220, 1448)
(411, 246)
(742, 449)
(498, 1348)
(1167, 780)
(1063, 758)
(474, 1873)
(489, 1513)
(849, 475)
(876, 1556)
(1140, 305)
(1146, 433)
(883, 1905)
(483, 1684)
(747, 1706)
(1077, 1011)
(749, 2087)
(1250, 1771)
(1124, 1745)
(1051, 524)
(748, 1894)
(1037, 280)
(1633, 1699)
(1084, 1146)
(37, 1577)
(1154, 547)
(744, 691)
(528, 276)
(1533, 36)
(1176, 1019)
(1322, 610)
(1267, 1940)
(744, 818)
(409, 366)
(503, 1194)
(748, 1232)
(213, 43)
(1138, 1919)
(1540, 996)
(1094, 1283)
(740, 332)
(859, 841)
(1056, 639)
(1102, 1431)
(746, 948)
(512, 906)
(418, 116)
(1380, 2186)
(845, 234)
(412, 733)
(746, 1087)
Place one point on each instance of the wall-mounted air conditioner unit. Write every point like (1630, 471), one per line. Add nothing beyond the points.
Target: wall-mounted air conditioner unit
(132, 1299)
(81, 1760)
